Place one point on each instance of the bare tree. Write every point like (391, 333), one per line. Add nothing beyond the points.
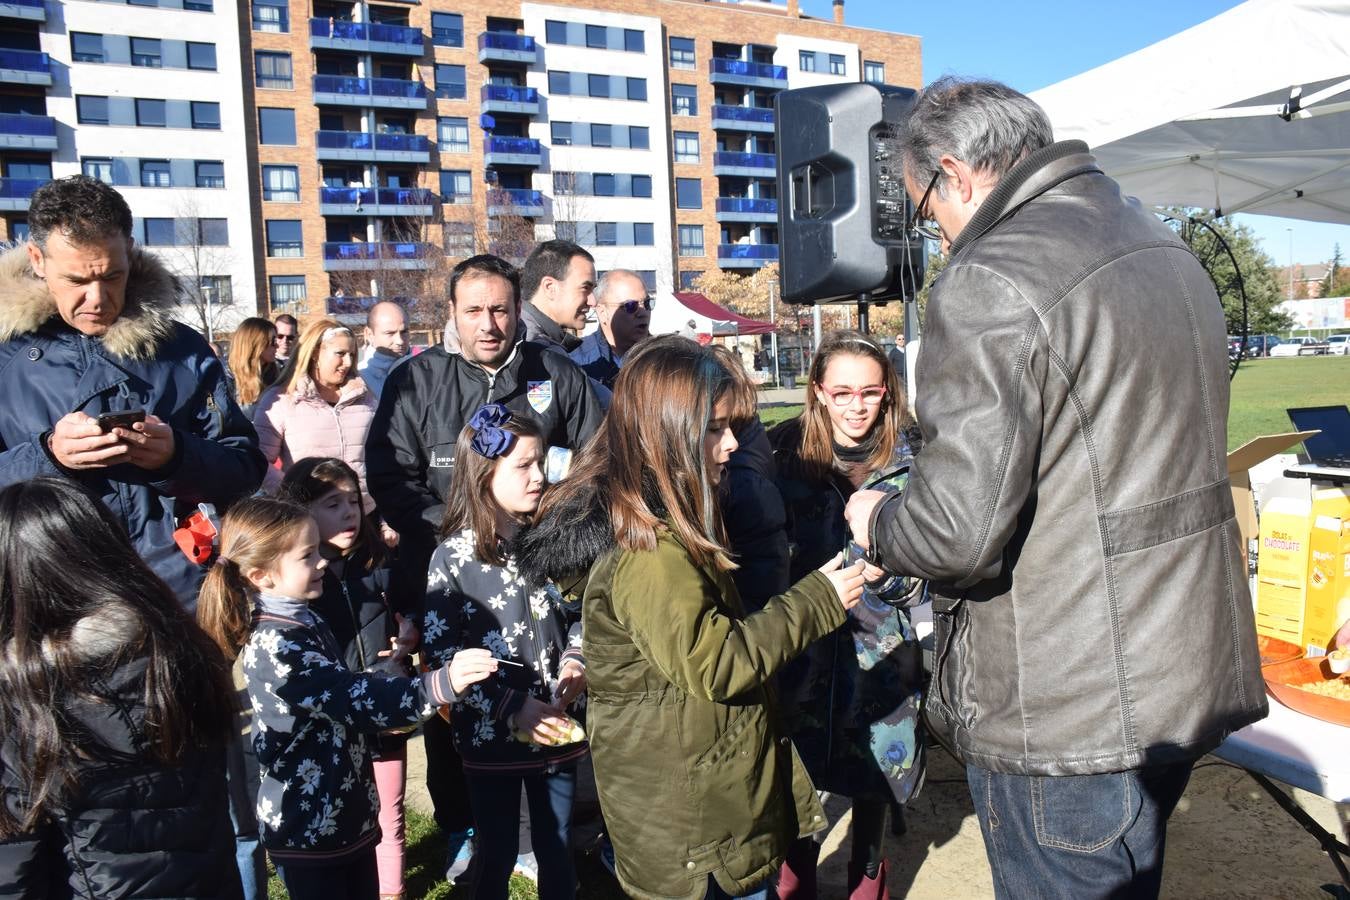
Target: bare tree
(421, 291)
(201, 260)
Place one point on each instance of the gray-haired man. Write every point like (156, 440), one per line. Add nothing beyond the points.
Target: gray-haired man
(1071, 505)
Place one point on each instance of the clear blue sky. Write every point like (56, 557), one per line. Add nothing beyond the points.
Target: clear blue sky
(1030, 44)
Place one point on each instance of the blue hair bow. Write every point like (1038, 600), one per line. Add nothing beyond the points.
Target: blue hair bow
(490, 440)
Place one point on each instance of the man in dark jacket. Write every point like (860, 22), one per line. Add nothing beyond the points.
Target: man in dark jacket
(1071, 507)
(85, 330)
(558, 284)
(410, 453)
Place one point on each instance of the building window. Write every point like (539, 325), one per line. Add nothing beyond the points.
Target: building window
(284, 238)
(684, 99)
(281, 184)
(201, 56)
(874, 72)
(688, 193)
(210, 173)
(644, 234)
(456, 186)
(450, 82)
(597, 85)
(837, 65)
(689, 279)
(565, 231)
(453, 134)
(806, 60)
(602, 184)
(86, 47)
(686, 146)
(681, 53)
(288, 291)
(638, 137)
(555, 32)
(155, 173)
(602, 135)
(597, 37)
(272, 15)
(459, 240)
(560, 133)
(637, 89)
(642, 185)
(98, 167)
(160, 233)
(91, 110)
(447, 29)
(276, 126)
(205, 115)
(691, 240)
(559, 82)
(634, 41)
(606, 234)
(150, 113)
(648, 277)
(199, 5)
(213, 233)
(273, 71)
(215, 289)
(145, 52)
(564, 183)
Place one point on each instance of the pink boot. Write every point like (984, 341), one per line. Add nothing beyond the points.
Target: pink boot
(797, 877)
(860, 887)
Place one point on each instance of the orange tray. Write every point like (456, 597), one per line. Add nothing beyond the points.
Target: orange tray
(1274, 650)
(1283, 681)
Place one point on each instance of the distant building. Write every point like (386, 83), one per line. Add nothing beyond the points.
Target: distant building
(1308, 279)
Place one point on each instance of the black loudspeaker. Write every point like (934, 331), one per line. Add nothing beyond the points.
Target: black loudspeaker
(842, 207)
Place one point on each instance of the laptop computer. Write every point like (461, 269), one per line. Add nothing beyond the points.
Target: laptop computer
(1328, 452)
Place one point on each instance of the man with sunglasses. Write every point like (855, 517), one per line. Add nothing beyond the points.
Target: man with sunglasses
(288, 331)
(1071, 506)
(624, 310)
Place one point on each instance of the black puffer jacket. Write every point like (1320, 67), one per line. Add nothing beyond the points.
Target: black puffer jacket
(137, 829)
(756, 522)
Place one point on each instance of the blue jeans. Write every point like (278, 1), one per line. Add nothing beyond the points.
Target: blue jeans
(351, 878)
(715, 892)
(496, 817)
(1077, 835)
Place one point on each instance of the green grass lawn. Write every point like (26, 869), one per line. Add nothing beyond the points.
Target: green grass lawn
(1261, 392)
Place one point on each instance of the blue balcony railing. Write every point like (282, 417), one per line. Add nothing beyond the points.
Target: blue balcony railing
(366, 31)
(20, 188)
(365, 140)
(509, 93)
(377, 196)
(515, 197)
(36, 4)
(359, 250)
(25, 61)
(33, 126)
(505, 40)
(747, 251)
(523, 146)
(743, 114)
(745, 160)
(747, 69)
(747, 205)
(370, 87)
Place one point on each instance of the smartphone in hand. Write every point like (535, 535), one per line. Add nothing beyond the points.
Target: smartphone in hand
(108, 421)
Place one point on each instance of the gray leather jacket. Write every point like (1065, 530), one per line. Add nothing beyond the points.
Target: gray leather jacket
(1071, 505)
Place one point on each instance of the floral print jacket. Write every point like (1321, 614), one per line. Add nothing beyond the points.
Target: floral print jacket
(311, 719)
(470, 603)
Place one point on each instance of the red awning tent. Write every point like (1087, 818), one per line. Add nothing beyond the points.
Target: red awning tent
(718, 320)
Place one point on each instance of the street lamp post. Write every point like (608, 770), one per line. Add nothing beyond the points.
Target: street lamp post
(1291, 262)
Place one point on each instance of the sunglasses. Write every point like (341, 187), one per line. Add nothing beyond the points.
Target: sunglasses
(922, 224)
(631, 306)
(285, 337)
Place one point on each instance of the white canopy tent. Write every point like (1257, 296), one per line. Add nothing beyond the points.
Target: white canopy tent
(1248, 112)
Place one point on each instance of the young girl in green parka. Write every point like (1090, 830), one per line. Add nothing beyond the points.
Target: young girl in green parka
(852, 700)
(701, 792)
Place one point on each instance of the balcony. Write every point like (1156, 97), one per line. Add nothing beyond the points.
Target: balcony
(338, 257)
(752, 165)
(746, 209)
(508, 98)
(365, 37)
(739, 71)
(25, 67)
(14, 192)
(364, 146)
(742, 118)
(386, 93)
(512, 151)
(376, 202)
(19, 132)
(514, 202)
(505, 47)
(32, 10)
(746, 256)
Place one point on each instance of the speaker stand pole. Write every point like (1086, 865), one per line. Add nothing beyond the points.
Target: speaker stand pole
(815, 327)
(863, 322)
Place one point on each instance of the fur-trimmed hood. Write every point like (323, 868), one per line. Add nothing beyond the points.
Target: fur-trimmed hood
(562, 546)
(145, 322)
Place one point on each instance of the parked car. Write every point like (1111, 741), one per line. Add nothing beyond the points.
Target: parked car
(1338, 344)
(1301, 346)
(1261, 344)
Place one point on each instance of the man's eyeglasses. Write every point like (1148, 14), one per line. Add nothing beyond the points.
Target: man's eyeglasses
(286, 338)
(631, 306)
(922, 224)
(870, 396)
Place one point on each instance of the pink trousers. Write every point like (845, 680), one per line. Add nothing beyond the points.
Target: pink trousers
(390, 776)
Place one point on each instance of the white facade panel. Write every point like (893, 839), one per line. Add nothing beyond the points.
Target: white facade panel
(789, 51)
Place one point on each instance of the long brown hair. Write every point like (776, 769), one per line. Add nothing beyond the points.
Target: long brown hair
(306, 355)
(817, 448)
(314, 477)
(470, 503)
(255, 533)
(250, 341)
(648, 457)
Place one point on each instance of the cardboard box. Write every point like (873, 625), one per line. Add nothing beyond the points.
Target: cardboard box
(1255, 451)
(1328, 597)
(1289, 509)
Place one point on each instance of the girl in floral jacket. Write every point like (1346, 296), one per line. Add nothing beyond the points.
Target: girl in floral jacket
(317, 804)
(511, 730)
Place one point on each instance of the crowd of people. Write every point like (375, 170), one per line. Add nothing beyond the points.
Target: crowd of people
(542, 549)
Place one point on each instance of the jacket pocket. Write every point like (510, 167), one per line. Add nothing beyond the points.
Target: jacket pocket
(953, 697)
(1080, 813)
(728, 743)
